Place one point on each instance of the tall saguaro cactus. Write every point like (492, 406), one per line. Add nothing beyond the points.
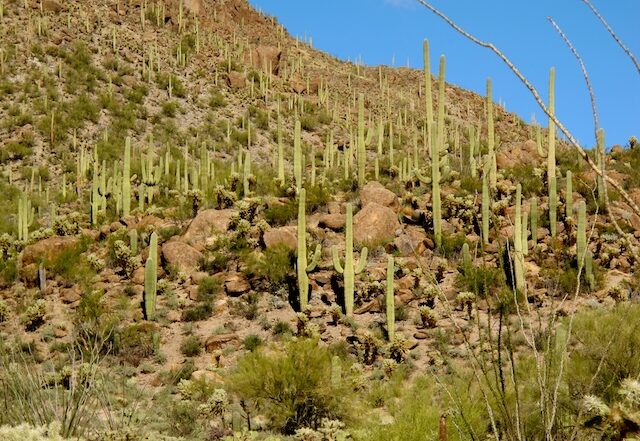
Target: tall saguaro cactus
(349, 270)
(126, 179)
(437, 147)
(517, 242)
(485, 201)
(390, 300)
(568, 199)
(361, 142)
(297, 155)
(581, 238)
(302, 267)
(551, 156)
(151, 279)
(491, 136)
(427, 90)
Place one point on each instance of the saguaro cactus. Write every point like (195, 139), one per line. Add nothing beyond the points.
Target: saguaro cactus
(600, 162)
(517, 242)
(485, 202)
(350, 269)
(151, 279)
(534, 220)
(297, 156)
(126, 179)
(427, 90)
(435, 159)
(551, 156)
(362, 152)
(568, 199)
(581, 237)
(491, 136)
(302, 267)
(390, 301)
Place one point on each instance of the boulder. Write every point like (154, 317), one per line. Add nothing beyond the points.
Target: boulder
(375, 224)
(332, 221)
(265, 58)
(181, 256)
(206, 224)
(376, 192)
(215, 342)
(236, 284)
(286, 236)
(518, 153)
(236, 80)
(47, 250)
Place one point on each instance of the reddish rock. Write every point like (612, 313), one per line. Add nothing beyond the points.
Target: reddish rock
(70, 295)
(286, 236)
(181, 256)
(236, 80)
(375, 224)
(376, 192)
(47, 250)
(207, 224)
(518, 153)
(215, 342)
(265, 58)
(236, 284)
(332, 221)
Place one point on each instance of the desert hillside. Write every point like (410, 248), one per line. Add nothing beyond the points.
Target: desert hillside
(210, 230)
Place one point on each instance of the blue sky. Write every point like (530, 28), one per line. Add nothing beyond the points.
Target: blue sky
(386, 31)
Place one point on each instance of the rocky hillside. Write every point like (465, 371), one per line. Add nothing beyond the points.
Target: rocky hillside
(211, 230)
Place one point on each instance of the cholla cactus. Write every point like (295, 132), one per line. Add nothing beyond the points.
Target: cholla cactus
(465, 300)
(33, 317)
(4, 311)
(399, 349)
(428, 317)
(217, 404)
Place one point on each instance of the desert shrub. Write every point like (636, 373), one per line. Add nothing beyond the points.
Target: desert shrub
(4, 311)
(252, 342)
(135, 342)
(25, 432)
(416, 413)
(480, 280)
(282, 328)
(293, 386)
(281, 214)
(208, 288)
(191, 346)
(274, 264)
(200, 311)
(216, 100)
(605, 351)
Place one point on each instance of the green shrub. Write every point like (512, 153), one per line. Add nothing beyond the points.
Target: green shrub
(281, 214)
(191, 346)
(201, 311)
(208, 288)
(293, 386)
(216, 100)
(605, 351)
(135, 342)
(252, 342)
(481, 280)
(274, 264)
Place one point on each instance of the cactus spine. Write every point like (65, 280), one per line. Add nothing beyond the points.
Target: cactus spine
(517, 242)
(350, 269)
(581, 238)
(437, 147)
(551, 156)
(302, 267)
(151, 279)
(390, 301)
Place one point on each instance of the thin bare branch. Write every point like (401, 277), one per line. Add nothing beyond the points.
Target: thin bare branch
(585, 74)
(536, 95)
(613, 34)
